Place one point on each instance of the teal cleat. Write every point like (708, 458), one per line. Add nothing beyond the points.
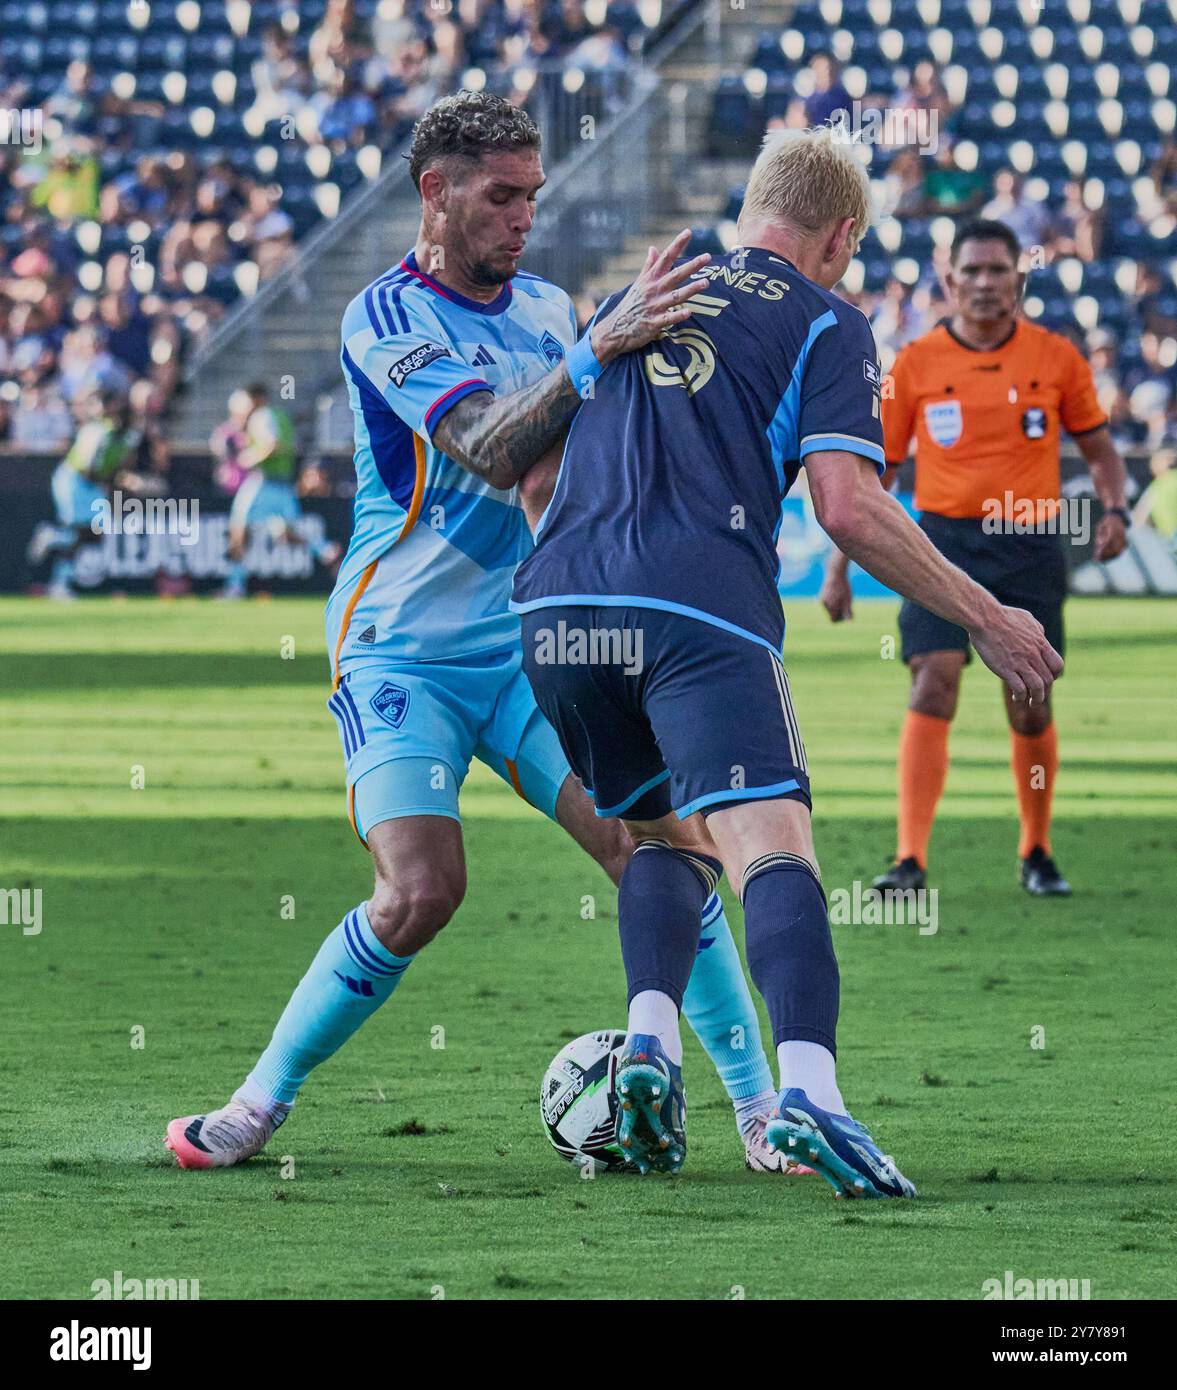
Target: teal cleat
(651, 1107)
(839, 1148)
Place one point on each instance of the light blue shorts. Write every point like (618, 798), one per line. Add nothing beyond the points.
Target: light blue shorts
(74, 496)
(260, 499)
(410, 730)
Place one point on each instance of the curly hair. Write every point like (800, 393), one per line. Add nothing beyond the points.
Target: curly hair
(468, 125)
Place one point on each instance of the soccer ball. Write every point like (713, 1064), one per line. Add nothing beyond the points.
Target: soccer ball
(577, 1102)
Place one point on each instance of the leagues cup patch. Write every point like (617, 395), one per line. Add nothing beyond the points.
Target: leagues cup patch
(413, 361)
(944, 421)
(1034, 422)
(391, 703)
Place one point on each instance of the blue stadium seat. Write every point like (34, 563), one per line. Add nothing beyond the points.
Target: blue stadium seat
(778, 93)
(735, 119)
(767, 54)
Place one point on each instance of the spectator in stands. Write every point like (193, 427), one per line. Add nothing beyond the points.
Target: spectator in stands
(141, 193)
(69, 189)
(1078, 230)
(32, 348)
(128, 332)
(393, 25)
(1101, 354)
(893, 320)
(903, 184)
(925, 92)
(948, 188)
(1030, 221)
(40, 421)
(87, 366)
(338, 40)
(1147, 301)
(267, 230)
(828, 95)
(280, 79)
(345, 112)
(76, 102)
(1150, 387)
(1158, 503)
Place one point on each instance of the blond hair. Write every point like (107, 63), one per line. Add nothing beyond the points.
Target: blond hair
(807, 179)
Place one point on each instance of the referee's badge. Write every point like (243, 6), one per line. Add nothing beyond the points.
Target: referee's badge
(944, 421)
(1034, 422)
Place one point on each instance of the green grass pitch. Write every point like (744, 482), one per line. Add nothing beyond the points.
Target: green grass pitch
(411, 1167)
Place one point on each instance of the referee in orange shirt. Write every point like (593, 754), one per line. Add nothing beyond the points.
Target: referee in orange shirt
(986, 395)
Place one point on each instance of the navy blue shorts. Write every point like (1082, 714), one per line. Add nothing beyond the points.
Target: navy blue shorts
(659, 712)
(1021, 571)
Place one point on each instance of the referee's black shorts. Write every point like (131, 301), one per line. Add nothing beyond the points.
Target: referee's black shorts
(1021, 571)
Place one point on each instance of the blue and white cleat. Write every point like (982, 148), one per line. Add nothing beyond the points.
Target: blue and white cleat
(651, 1106)
(839, 1148)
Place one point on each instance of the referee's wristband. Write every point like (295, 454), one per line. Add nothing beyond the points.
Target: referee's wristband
(1122, 512)
(581, 362)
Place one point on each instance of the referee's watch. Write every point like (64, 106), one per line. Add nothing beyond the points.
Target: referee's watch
(1122, 512)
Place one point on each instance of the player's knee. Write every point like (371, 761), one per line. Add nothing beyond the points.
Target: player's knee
(934, 688)
(1028, 719)
(407, 915)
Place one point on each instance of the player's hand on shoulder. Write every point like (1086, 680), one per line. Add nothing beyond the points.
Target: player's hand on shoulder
(1013, 645)
(655, 302)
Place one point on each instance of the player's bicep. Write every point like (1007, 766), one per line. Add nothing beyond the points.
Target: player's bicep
(840, 389)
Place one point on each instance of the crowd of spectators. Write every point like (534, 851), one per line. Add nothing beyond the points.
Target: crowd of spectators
(1135, 363)
(120, 246)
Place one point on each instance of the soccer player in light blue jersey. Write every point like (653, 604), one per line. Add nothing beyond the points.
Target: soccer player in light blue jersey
(462, 372)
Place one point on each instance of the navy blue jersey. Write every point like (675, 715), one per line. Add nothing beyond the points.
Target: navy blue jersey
(669, 492)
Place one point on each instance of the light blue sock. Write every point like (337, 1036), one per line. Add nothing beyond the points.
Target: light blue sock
(236, 577)
(62, 574)
(349, 979)
(718, 1006)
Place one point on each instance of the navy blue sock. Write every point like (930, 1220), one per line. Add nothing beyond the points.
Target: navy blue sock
(790, 951)
(659, 906)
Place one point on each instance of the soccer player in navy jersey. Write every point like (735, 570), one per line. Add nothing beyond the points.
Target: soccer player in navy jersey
(462, 371)
(652, 634)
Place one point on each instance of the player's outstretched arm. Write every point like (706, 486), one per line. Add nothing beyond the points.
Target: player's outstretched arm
(873, 529)
(836, 596)
(498, 438)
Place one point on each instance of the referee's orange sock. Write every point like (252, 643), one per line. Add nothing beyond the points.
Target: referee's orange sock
(1034, 759)
(923, 769)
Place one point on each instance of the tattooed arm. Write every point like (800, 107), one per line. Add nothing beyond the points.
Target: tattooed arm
(498, 438)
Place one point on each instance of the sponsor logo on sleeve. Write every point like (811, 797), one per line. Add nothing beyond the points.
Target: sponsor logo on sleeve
(870, 370)
(413, 361)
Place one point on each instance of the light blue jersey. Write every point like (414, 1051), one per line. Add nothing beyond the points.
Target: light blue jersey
(427, 576)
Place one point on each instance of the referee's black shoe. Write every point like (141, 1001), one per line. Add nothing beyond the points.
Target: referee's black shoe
(907, 873)
(1040, 876)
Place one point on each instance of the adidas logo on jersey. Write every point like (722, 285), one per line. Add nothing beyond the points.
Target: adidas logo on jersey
(482, 358)
(368, 634)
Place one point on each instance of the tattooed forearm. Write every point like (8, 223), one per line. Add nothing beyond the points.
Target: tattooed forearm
(498, 438)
